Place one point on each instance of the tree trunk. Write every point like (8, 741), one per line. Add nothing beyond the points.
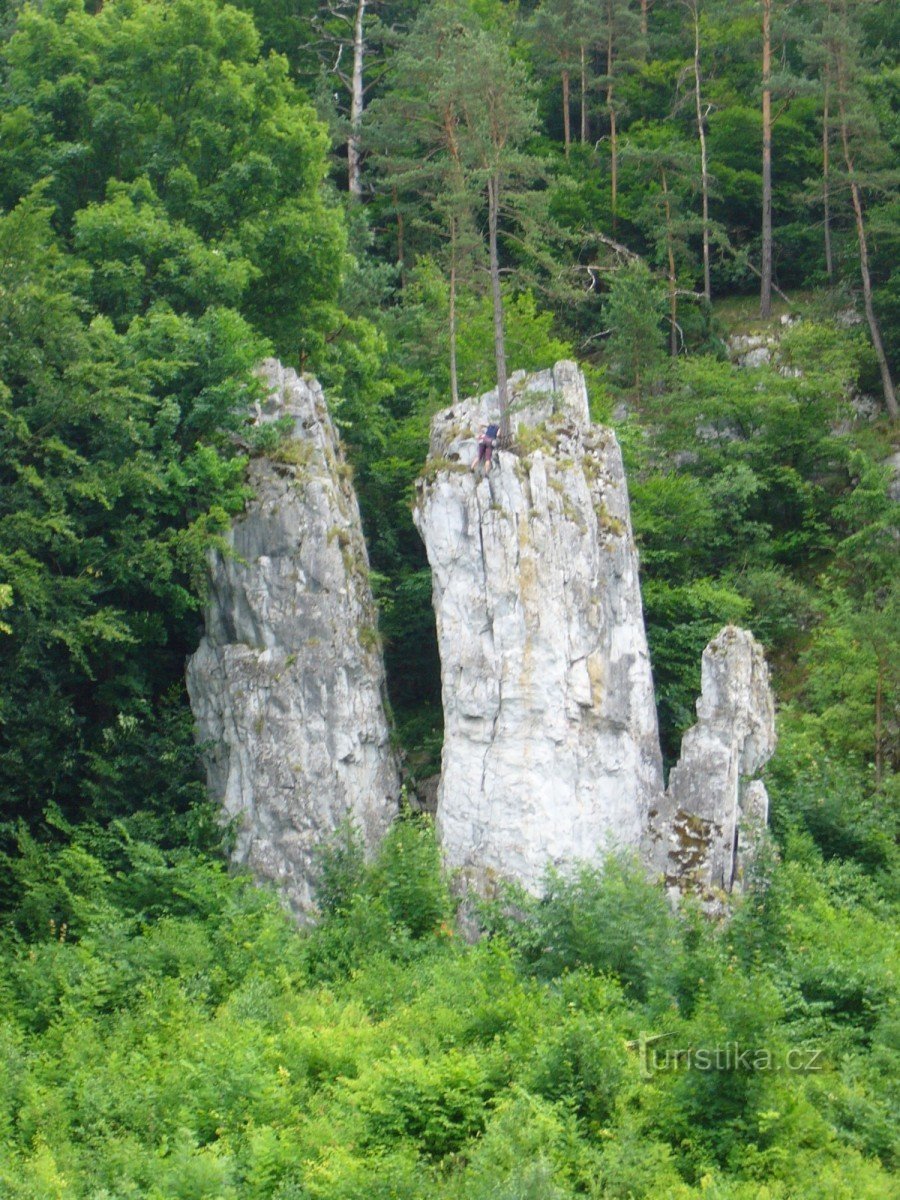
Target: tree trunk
(613, 165)
(879, 723)
(765, 293)
(584, 115)
(890, 396)
(704, 164)
(453, 148)
(499, 344)
(354, 147)
(645, 5)
(567, 115)
(673, 286)
(454, 381)
(826, 184)
(613, 142)
(401, 250)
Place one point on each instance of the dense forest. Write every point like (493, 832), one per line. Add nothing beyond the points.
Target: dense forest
(412, 201)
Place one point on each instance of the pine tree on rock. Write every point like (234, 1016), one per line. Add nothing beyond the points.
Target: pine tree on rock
(458, 120)
(701, 109)
(497, 117)
(414, 133)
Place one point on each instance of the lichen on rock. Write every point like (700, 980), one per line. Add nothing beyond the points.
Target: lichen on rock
(287, 683)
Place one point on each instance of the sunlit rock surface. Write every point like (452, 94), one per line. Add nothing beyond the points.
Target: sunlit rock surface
(287, 684)
(551, 749)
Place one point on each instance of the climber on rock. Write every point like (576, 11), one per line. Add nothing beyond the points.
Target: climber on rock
(487, 440)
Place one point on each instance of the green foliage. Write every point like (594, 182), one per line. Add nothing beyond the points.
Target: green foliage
(408, 877)
(681, 620)
(607, 919)
(633, 313)
(115, 483)
(341, 869)
(223, 160)
(186, 1045)
(138, 256)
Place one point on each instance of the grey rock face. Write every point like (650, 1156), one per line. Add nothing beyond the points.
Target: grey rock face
(893, 463)
(286, 686)
(551, 751)
(703, 834)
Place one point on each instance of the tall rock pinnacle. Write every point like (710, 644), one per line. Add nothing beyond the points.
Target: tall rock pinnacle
(287, 684)
(551, 750)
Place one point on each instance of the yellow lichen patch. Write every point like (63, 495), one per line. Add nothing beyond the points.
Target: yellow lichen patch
(595, 674)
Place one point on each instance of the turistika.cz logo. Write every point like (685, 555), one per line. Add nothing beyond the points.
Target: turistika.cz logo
(731, 1056)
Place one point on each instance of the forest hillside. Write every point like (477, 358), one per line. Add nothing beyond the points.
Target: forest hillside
(696, 201)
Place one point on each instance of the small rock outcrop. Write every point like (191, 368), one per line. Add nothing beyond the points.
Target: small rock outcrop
(707, 826)
(287, 684)
(551, 750)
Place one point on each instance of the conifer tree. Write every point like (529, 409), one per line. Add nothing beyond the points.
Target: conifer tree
(765, 292)
(701, 109)
(862, 154)
(620, 41)
(415, 133)
(457, 122)
(561, 31)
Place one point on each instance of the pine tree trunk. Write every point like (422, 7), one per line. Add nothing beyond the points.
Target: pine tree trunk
(704, 164)
(499, 344)
(879, 723)
(354, 147)
(613, 165)
(567, 114)
(644, 17)
(826, 185)
(453, 148)
(454, 381)
(673, 290)
(584, 113)
(401, 230)
(765, 293)
(613, 141)
(890, 396)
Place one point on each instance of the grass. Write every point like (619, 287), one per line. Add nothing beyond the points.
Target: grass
(740, 314)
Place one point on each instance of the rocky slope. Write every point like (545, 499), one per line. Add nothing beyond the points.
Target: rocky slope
(286, 686)
(551, 751)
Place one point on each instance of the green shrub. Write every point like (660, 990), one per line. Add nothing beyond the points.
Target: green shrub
(610, 919)
(408, 877)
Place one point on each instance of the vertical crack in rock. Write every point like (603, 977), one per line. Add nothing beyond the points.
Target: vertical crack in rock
(707, 827)
(287, 683)
(551, 750)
